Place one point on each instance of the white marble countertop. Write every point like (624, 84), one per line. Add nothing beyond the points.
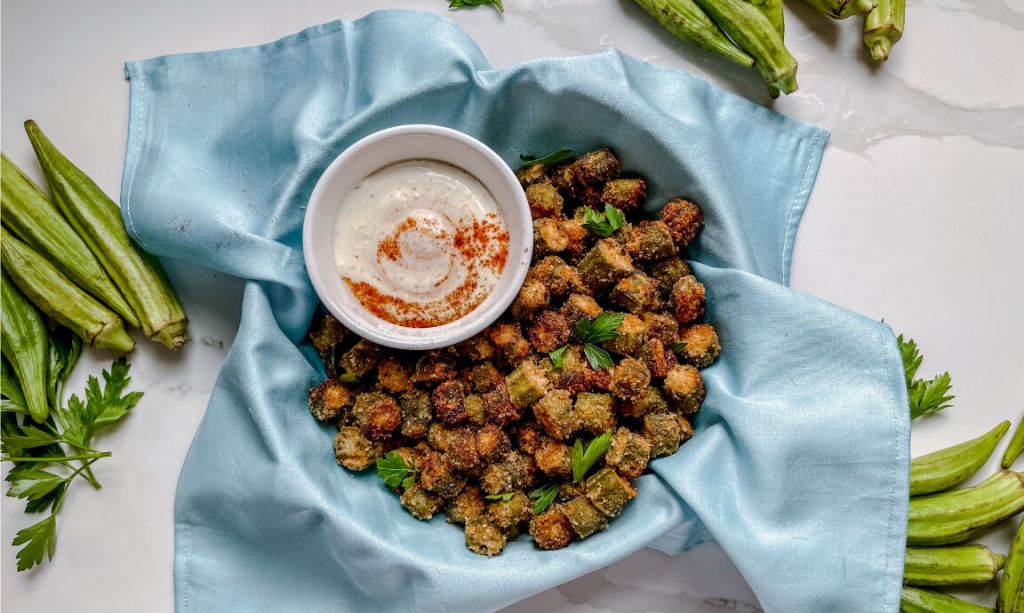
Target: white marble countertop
(916, 217)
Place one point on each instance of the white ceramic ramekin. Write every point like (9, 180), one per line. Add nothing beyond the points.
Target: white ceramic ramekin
(380, 149)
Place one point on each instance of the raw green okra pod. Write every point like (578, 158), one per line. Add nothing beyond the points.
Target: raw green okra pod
(941, 470)
(915, 600)
(688, 22)
(1011, 587)
(953, 565)
(23, 342)
(841, 9)
(883, 26)
(1015, 447)
(960, 515)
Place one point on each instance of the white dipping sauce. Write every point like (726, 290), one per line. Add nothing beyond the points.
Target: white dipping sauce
(420, 243)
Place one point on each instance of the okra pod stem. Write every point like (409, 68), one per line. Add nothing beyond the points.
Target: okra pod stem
(61, 299)
(1015, 447)
(841, 9)
(916, 600)
(883, 26)
(945, 468)
(754, 33)
(23, 342)
(955, 565)
(97, 220)
(772, 9)
(30, 216)
(960, 515)
(685, 20)
(1011, 587)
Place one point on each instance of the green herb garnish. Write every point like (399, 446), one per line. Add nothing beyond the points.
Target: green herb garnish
(583, 460)
(556, 156)
(394, 471)
(504, 497)
(603, 224)
(347, 377)
(927, 396)
(557, 356)
(679, 347)
(543, 497)
(461, 4)
(604, 327)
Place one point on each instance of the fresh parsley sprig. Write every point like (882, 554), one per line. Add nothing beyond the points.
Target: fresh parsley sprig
(461, 4)
(602, 328)
(584, 459)
(558, 356)
(927, 396)
(556, 156)
(394, 471)
(543, 496)
(603, 224)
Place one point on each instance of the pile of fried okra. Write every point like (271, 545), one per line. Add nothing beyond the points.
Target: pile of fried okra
(485, 430)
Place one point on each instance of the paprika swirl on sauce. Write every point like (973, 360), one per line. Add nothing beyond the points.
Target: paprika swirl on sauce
(420, 243)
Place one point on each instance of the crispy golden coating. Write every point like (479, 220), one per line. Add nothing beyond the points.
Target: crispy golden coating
(492, 443)
(508, 515)
(596, 167)
(659, 360)
(604, 264)
(557, 276)
(531, 299)
(553, 458)
(649, 241)
(513, 472)
(636, 293)
(393, 376)
(666, 272)
(632, 337)
(354, 451)
(509, 343)
(580, 238)
(476, 348)
(551, 529)
(628, 454)
(527, 384)
(700, 345)
(420, 503)
(328, 400)
(485, 377)
(684, 388)
(530, 174)
(549, 332)
(361, 358)
(377, 415)
(594, 412)
(484, 538)
(544, 200)
(661, 326)
(576, 375)
(554, 412)
(416, 413)
(578, 306)
(529, 436)
(325, 333)
(549, 236)
(684, 219)
(449, 402)
(663, 433)
(630, 378)
(625, 194)
(584, 517)
(688, 299)
(434, 367)
(468, 505)
(650, 400)
(609, 492)
(462, 450)
(498, 407)
(439, 476)
(476, 412)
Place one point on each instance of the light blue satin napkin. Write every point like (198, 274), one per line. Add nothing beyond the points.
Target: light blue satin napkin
(799, 464)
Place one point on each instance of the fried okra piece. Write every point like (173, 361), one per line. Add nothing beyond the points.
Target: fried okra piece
(526, 384)
(458, 443)
(325, 333)
(498, 407)
(476, 348)
(701, 346)
(529, 436)
(468, 505)
(555, 414)
(596, 167)
(508, 340)
(531, 299)
(631, 339)
(434, 367)
(628, 454)
(549, 332)
(492, 443)
(579, 236)
(514, 472)
(636, 293)
(650, 400)
(684, 388)
(393, 376)
(630, 378)
(476, 413)
(553, 458)
(578, 306)
(666, 272)
(663, 433)
(530, 174)
(625, 194)
(485, 377)
(567, 490)
(684, 219)
(361, 358)
(659, 360)
(558, 277)
(420, 503)
(449, 402)
(594, 412)
(688, 299)
(416, 413)
(484, 538)
(329, 399)
(661, 326)
(354, 451)
(549, 236)
(544, 200)
(507, 515)
(609, 492)
(584, 517)
(551, 529)
(576, 374)
(440, 436)
(377, 415)
(438, 475)
(563, 178)
(604, 264)
(649, 241)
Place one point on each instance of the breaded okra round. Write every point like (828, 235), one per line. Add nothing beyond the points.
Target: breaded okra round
(377, 415)
(420, 503)
(468, 505)
(630, 378)
(508, 515)
(328, 400)
(484, 538)
(684, 387)
(354, 451)
(549, 236)
(684, 219)
(544, 200)
(549, 332)
(551, 529)
(700, 345)
(688, 299)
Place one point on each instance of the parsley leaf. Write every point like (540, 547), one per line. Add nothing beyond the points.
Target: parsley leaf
(29, 438)
(603, 224)
(543, 497)
(101, 407)
(929, 397)
(598, 358)
(65, 349)
(39, 539)
(33, 484)
(505, 496)
(584, 460)
(460, 4)
(679, 347)
(604, 327)
(556, 156)
(911, 358)
(557, 356)
(393, 470)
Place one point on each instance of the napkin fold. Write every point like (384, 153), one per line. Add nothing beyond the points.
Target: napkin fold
(799, 464)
